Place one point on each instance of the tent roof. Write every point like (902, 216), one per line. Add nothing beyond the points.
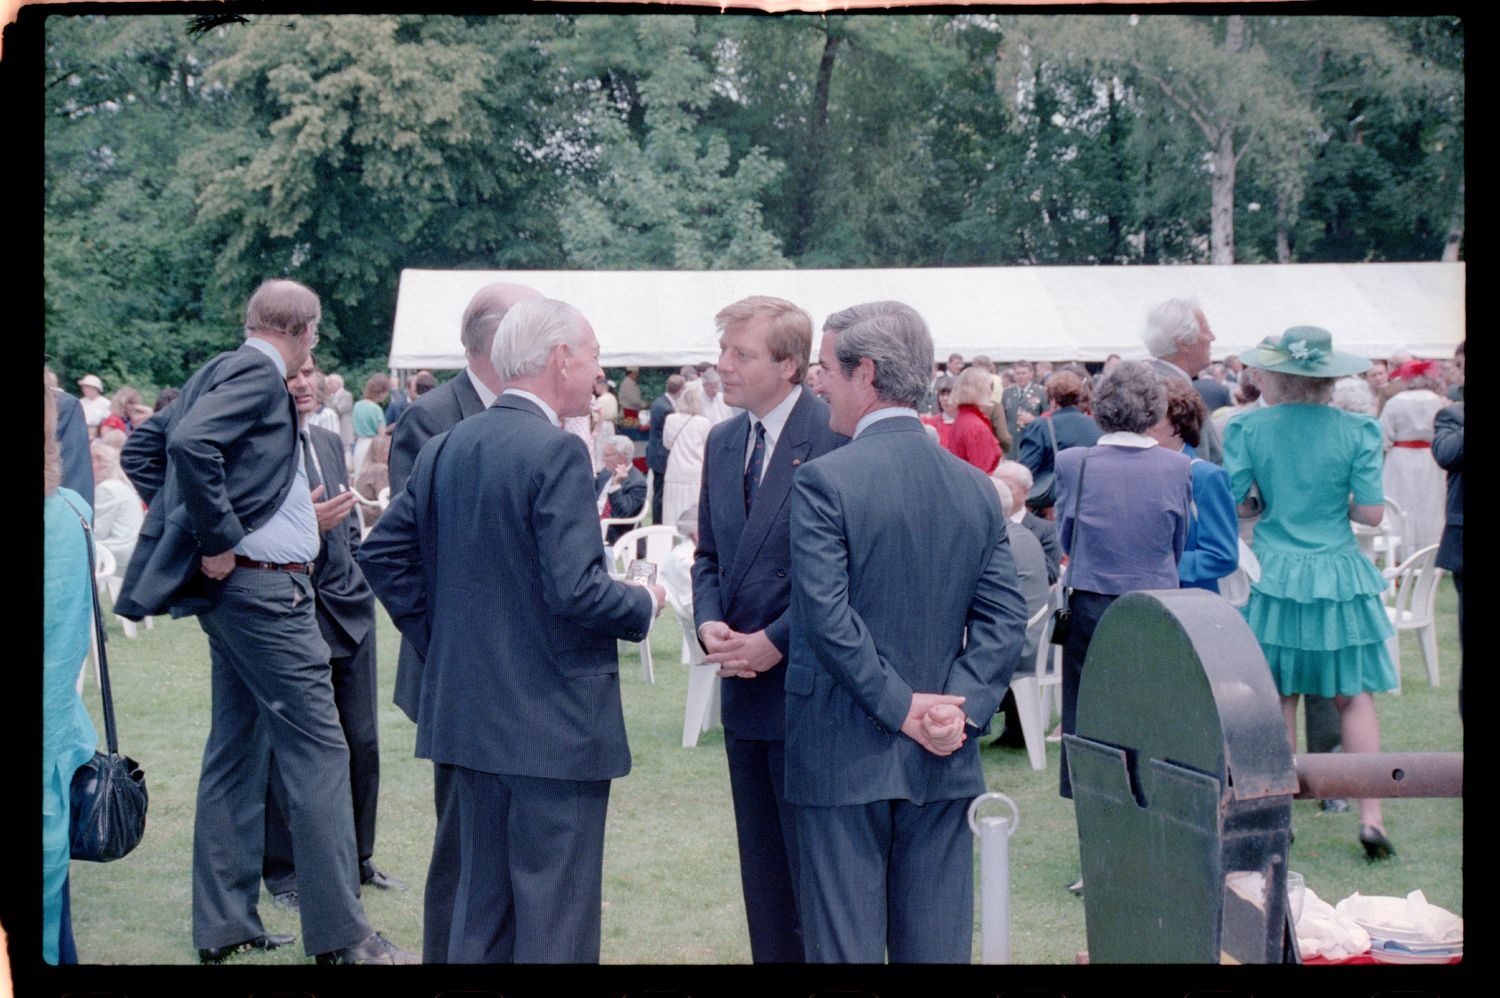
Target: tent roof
(655, 318)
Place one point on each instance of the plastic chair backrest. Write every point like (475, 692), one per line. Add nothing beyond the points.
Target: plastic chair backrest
(1416, 587)
(659, 540)
(104, 562)
(627, 521)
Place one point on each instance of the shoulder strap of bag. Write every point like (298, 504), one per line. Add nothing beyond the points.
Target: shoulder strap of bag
(1052, 433)
(109, 704)
(1077, 534)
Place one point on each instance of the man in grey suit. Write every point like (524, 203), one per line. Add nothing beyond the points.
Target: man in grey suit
(346, 619)
(490, 562)
(1178, 337)
(741, 590)
(896, 657)
(468, 393)
(656, 449)
(231, 535)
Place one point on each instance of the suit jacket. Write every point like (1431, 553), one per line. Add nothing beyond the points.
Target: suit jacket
(213, 466)
(436, 412)
(346, 607)
(1045, 531)
(431, 414)
(73, 439)
(1214, 395)
(1031, 579)
(656, 451)
(624, 503)
(740, 574)
(875, 617)
(490, 563)
(1448, 452)
(1073, 428)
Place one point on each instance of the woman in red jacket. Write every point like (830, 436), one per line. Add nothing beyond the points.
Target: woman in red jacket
(971, 437)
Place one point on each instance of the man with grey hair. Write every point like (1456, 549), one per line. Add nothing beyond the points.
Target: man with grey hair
(714, 406)
(1016, 477)
(520, 690)
(620, 489)
(1180, 342)
(470, 392)
(896, 657)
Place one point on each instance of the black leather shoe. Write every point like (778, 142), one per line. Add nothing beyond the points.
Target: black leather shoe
(373, 948)
(1377, 846)
(287, 901)
(386, 883)
(218, 954)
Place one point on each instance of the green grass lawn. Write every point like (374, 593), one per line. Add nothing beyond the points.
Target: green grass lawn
(671, 881)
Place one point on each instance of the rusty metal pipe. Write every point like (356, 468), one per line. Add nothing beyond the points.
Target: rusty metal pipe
(1379, 774)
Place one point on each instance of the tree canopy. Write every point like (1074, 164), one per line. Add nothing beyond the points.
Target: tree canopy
(183, 167)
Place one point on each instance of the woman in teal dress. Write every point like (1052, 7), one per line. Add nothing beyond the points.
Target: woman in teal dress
(68, 737)
(1316, 610)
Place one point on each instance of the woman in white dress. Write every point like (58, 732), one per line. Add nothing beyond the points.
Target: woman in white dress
(684, 435)
(1412, 478)
(118, 514)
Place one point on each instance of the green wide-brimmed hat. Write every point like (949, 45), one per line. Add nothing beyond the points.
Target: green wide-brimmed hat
(1306, 351)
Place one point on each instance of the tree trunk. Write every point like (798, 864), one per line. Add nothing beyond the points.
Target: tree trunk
(1455, 236)
(1283, 225)
(817, 128)
(1221, 206)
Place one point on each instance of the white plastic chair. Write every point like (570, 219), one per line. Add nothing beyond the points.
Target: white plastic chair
(628, 521)
(1382, 542)
(702, 710)
(659, 541)
(1032, 690)
(1411, 608)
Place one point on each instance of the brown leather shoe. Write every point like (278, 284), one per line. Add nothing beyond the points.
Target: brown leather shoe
(373, 948)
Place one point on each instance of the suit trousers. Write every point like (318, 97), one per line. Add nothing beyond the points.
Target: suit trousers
(441, 891)
(889, 878)
(271, 689)
(531, 872)
(658, 487)
(354, 696)
(767, 833)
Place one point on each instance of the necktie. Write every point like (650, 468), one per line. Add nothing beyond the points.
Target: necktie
(757, 461)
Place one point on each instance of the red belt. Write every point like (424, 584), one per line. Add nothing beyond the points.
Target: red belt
(1412, 443)
(270, 566)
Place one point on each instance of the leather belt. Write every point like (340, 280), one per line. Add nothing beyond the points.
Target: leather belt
(304, 567)
(1412, 443)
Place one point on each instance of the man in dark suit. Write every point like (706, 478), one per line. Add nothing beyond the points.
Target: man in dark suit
(620, 489)
(73, 440)
(230, 535)
(346, 619)
(656, 450)
(1066, 426)
(741, 590)
(1017, 477)
(1448, 452)
(520, 688)
(896, 657)
(466, 394)
(1178, 337)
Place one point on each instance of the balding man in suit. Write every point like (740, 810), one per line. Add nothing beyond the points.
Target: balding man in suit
(490, 562)
(468, 393)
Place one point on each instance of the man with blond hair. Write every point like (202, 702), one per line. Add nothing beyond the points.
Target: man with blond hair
(741, 589)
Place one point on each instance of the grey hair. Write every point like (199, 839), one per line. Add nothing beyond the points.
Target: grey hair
(687, 523)
(1007, 500)
(528, 333)
(1129, 399)
(711, 376)
(1354, 395)
(1278, 387)
(1014, 473)
(895, 338)
(621, 445)
(1171, 325)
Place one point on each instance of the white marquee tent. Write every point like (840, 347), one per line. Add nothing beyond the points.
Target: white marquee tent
(657, 318)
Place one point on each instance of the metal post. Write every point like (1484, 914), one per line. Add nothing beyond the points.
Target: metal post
(994, 877)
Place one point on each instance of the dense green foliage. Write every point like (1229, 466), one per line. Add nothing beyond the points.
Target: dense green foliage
(182, 168)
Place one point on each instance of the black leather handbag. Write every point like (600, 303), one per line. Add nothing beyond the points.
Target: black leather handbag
(108, 815)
